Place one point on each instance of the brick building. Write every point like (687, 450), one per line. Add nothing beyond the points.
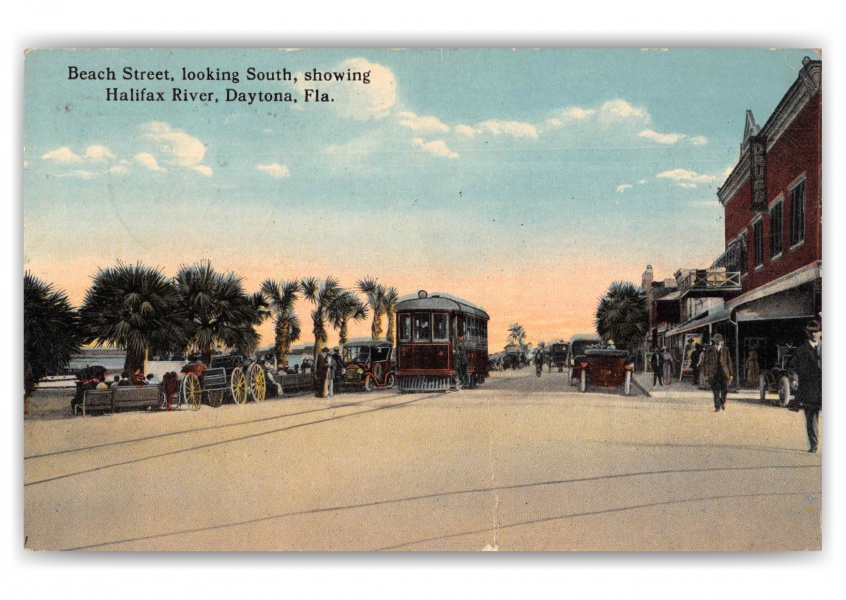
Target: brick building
(768, 282)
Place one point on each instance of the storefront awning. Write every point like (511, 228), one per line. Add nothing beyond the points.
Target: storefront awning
(806, 274)
(787, 305)
(714, 316)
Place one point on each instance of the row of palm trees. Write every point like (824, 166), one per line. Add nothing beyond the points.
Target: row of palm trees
(140, 309)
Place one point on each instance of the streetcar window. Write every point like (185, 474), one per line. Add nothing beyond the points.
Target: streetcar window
(405, 328)
(461, 330)
(441, 327)
(422, 327)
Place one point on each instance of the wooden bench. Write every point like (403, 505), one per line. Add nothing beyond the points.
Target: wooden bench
(119, 398)
(296, 382)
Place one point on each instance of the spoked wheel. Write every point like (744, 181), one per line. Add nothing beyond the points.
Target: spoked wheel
(762, 388)
(238, 386)
(369, 384)
(258, 383)
(627, 387)
(391, 381)
(192, 391)
(784, 390)
(215, 398)
(583, 385)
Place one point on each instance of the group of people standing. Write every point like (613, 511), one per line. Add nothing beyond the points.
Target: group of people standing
(328, 370)
(715, 363)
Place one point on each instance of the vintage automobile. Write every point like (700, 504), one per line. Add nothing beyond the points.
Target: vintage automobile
(514, 357)
(369, 364)
(605, 367)
(777, 380)
(557, 355)
(579, 343)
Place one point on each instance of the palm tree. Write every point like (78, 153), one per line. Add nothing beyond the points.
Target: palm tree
(374, 292)
(280, 298)
(623, 315)
(390, 303)
(217, 310)
(516, 334)
(322, 294)
(52, 333)
(346, 307)
(136, 308)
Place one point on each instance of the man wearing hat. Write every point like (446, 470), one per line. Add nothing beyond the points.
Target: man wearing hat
(807, 365)
(321, 370)
(718, 370)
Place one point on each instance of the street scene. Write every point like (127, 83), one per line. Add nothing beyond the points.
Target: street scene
(520, 463)
(388, 300)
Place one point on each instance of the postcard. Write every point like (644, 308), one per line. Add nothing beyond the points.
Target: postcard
(422, 299)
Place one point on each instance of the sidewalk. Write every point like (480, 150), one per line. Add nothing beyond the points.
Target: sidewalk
(685, 389)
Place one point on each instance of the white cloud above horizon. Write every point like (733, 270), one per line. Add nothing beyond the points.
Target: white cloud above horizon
(423, 124)
(62, 155)
(148, 160)
(623, 187)
(178, 148)
(98, 152)
(436, 147)
(686, 176)
(275, 170)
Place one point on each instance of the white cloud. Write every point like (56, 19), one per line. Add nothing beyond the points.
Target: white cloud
(436, 147)
(699, 140)
(661, 138)
(686, 185)
(203, 169)
(358, 100)
(80, 174)
(62, 155)
(573, 113)
(618, 110)
(466, 130)
(148, 160)
(118, 170)
(623, 187)
(642, 182)
(513, 128)
(275, 170)
(684, 175)
(97, 152)
(417, 123)
(712, 203)
(178, 148)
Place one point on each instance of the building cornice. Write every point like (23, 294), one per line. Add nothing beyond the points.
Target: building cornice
(807, 85)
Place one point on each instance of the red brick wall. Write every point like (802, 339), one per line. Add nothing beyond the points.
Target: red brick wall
(797, 153)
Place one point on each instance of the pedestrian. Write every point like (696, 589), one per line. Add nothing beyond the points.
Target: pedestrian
(462, 363)
(718, 370)
(694, 362)
(657, 364)
(340, 368)
(668, 366)
(539, 360)
(807, 366)
(753, 369)
(321, 367)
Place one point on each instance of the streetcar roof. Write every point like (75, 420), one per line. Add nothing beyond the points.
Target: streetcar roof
(363, 341)
(440, 301)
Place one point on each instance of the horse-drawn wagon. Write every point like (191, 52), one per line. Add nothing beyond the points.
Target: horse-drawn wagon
(229, 377)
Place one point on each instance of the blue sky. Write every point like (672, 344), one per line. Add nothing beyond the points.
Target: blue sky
(525, 181)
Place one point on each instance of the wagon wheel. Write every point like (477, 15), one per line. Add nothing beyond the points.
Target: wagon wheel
(215, 397)
(784, 390)
(762, 387)
(238, 386)
(192, 391)
(391, 381)
(258, 383)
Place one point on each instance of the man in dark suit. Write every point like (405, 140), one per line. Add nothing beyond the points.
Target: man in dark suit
(321, 368)
(718, 370)
(807, 365)
(657, 364)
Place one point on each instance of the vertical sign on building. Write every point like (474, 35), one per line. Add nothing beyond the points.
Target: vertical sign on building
(758, 176)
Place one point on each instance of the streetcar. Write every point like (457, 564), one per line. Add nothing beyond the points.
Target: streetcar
(429, 327)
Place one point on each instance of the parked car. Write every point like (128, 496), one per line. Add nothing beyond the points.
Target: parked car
(607, 368)
(557, 355)
(369, 364)
(777, 380)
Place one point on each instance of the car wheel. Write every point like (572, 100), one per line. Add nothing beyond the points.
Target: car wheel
(627, 387)
(762, 387)
(368, 384)
(583, 385)
(391, 381)
(784, 390)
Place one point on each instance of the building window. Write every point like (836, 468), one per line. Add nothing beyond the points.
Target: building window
(797, 213)
(758, 241)
(776, 229)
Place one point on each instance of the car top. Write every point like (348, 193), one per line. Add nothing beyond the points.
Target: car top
(366, 342)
